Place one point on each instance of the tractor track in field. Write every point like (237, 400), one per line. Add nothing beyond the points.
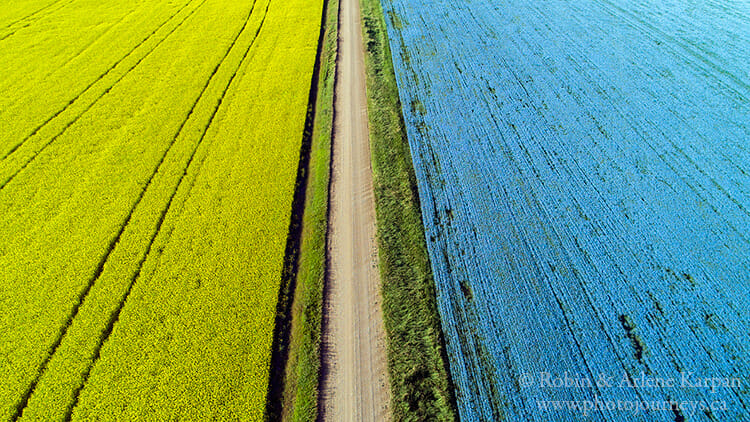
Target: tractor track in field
(193, 153)
(31, 15)
(116, 315)
(105, 32)
(113, 243)
(354, 382)
(99, 78)
(72, 122)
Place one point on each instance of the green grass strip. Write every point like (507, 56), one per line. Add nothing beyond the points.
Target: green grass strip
(303, 365)
(420, 381)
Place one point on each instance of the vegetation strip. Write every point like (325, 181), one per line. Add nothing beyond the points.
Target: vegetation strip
(304, 257)
(322, 373)
(300, 400)
(420, 381)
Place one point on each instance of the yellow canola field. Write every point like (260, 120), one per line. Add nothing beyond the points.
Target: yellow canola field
(146, 179)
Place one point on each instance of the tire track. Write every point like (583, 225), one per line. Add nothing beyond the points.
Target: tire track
(108, 30)
(113, 243)
(115, 316)
(67, 126)
(103, 75)
(199, 163)
(27, 17)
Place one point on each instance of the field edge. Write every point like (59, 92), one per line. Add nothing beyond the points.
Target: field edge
(301, 373)
(421, 385)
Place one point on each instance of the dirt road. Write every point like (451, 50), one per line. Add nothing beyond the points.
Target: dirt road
(355, 382)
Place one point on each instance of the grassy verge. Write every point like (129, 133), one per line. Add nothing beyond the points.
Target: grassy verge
(420, 381)
(300, 401)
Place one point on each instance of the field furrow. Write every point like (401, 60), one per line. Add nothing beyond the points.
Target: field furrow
(180, 304)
